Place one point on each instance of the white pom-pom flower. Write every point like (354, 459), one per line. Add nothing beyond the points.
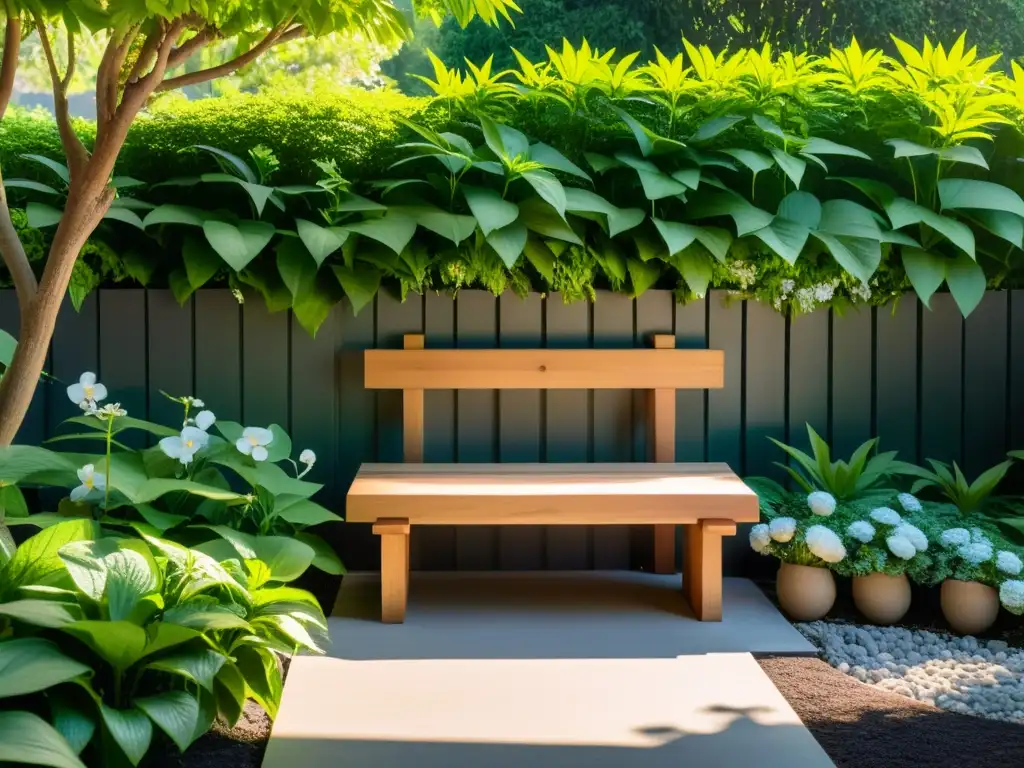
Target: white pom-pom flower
(824, 543)
(760, 538)
(307, 457)
(87, 391)
(782, 529)
(955, 537)
(91, 480)
(909, 502)
(886, 516)
(185, 446)
(976, 553)
(205, 420)
(254, 442)
(978, 537)
(1008, 562)
(914, 535)
(901, 547)
(1011, 595)
(821, 503)
(861, 530)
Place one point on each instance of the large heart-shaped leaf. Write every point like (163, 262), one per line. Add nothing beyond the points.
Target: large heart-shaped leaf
(320, 241)
(36, 561)
(793, 167)
(541, 218)
(73, 719)
(984, 195)
(857, 255)
(31, 664)
(785, 237)
(549, 188)
(130, 729)
(696, 269)
(240, 243)
(41, 216)
(552, 158)
(28, 739)
(802, 208)
(360, 283)
(175, 214)
(847, 218)
(175, 712)
(815, 146)
(41, 613)
(966, 281)
(450, 226)
(393, 230)
(201, 261)
(490, 209)
(677, 236)
(509, 241)
(236, 163)
(287, 558)
(903, 212)
(747, 217)
(926, 271)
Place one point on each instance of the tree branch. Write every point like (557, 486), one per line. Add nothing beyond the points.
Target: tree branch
(280, 34)
(76, 153)
(9, 67)
(146, 56)
(15, 258)
(183, 52)
(72, 62)
(108, 79)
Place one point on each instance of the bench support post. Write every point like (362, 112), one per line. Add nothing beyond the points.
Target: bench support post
(394, 568)
(702, 566)
(662, 437)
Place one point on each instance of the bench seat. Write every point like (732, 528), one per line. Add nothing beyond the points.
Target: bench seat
(707, 498)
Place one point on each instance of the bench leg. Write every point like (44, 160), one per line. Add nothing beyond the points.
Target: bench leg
(702, 566)
(394, 568)
(664, 549)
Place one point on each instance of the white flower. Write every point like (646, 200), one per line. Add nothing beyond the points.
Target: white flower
(909, 502)
(825, 544)
(760, 538)
(955, 537)
(821, 503)
(91, 481)
(978, 536)
(1008, 562)
(111, 409)
(184, 447)
(1011, 595)
(205, 420)
(901, 547)
(87, 390)
(253, 442)
(976, 553)
(307, 457)
(886, 516)
(861, 530)
(196, 402)
(914, 535)
(782, 529)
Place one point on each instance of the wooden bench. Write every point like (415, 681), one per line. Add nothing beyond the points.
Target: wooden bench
(708, 499)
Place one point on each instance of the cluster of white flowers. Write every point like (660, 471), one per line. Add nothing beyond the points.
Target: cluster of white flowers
(92, 482)
(861, 530)
(976, 553)
(745, 274)
(955, 537)
(909, 502)
(1009, 563)
(805, 299)
(886, 516)
(825, 544)
(192, 439)
(1011, 595)
(862, 291)
(760, 538)
(821, 503)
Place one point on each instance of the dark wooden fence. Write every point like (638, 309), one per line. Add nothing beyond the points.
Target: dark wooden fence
(927, 382)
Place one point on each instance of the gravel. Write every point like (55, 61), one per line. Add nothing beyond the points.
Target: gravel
(958, 674)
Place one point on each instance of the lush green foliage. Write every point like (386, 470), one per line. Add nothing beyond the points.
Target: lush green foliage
(965, 495)
(798, 180)
(103, 638)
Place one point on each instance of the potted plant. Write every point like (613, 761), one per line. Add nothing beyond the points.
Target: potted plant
(884, 548)
(806, 549)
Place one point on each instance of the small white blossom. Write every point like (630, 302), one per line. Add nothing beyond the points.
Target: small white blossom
(1011, 595)
(87, 390)
(901, 547)
(1008, 562)
(978, 536)
(195, 402)
(254, 442)
(91, 481)
(825, 544)
(823, 292)
(976, 553)
(307, 457)
(821, 503)
(861, 291)
(955, 537)
(909, 502)
(805, 299)
(111, 409)
(886, 516)
(861, 530)
(787, 287)
(185, 446)
(205, 420)
(914, 535)
(760, 538)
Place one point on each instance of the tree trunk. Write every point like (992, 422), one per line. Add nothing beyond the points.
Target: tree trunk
(87, 204)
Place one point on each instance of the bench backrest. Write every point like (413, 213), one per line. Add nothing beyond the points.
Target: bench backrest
(661, 370)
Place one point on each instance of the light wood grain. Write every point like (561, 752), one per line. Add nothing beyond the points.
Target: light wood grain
(661, 411)
(412, 411)
(702, 566)
(394, 568)
(544, 369)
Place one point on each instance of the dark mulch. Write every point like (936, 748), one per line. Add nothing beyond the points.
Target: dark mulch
(858, 725)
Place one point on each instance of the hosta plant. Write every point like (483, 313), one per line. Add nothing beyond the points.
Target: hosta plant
(114, 644)
(951, 483)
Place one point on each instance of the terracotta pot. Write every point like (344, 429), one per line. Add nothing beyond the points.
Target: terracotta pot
(969, 606)
(883, 599)
(805, 593)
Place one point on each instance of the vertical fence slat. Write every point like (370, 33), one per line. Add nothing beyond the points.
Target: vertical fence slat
(1016, 398)
(75, 349)
(476, 546)
(808, 378)
(356, 428)
(265, 356)
(123, 351)
(691, 404)
(218, 354)
(941, 384)
(395, 318)
(567, 426)
(985, 422)
(520, 547)
(851, 381)
(896, 361)
(34, 427)
(765, 397)
(613, 421)
(433, 546)
(170, 364)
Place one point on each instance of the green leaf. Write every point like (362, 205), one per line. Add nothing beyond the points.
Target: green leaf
(124, 215)
(802, 208)
(131, 730)
(642, 135)
(41, 216)
(548, 188)
(902, 212)
(305, 512)
(658, 185)
(201, 666)
(321, 242)
(175, 214)
(696, 270)
(643, 275)
(966, 281)
(748, 218)
(1007, 226)
(360, 283)
(258, 193)
(230, 693)
(878, 192)
(677, 236)
(619, 219)
(287, 558)
(119, 643)
(541, 218)
(793, 167)
(857, 255)
(71, 720)
(238, 244)
(393, 230)
(926, 272)
(754, 161)
(448, 225)
(769, 127)
(39, 613)
(175, 712)
(349, 203)
(601, 163)
(785, 237)
(262, 677)
(552, 158)
(509, 241)
(325, 558)
(27, 738)
(717, 241)
(817, 146)
(984, 195)
(57, 167)
(847, 218)
(35, 186)
(30, 664)
(36, 561)
(541, 257)
(964, 154)
(153, 489)
(201, 261)
(240, 166)
(711, 128)
(904, 148)
(12, 502)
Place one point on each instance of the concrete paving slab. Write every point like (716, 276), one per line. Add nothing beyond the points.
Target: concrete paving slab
(705, 711)
(554, 615)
